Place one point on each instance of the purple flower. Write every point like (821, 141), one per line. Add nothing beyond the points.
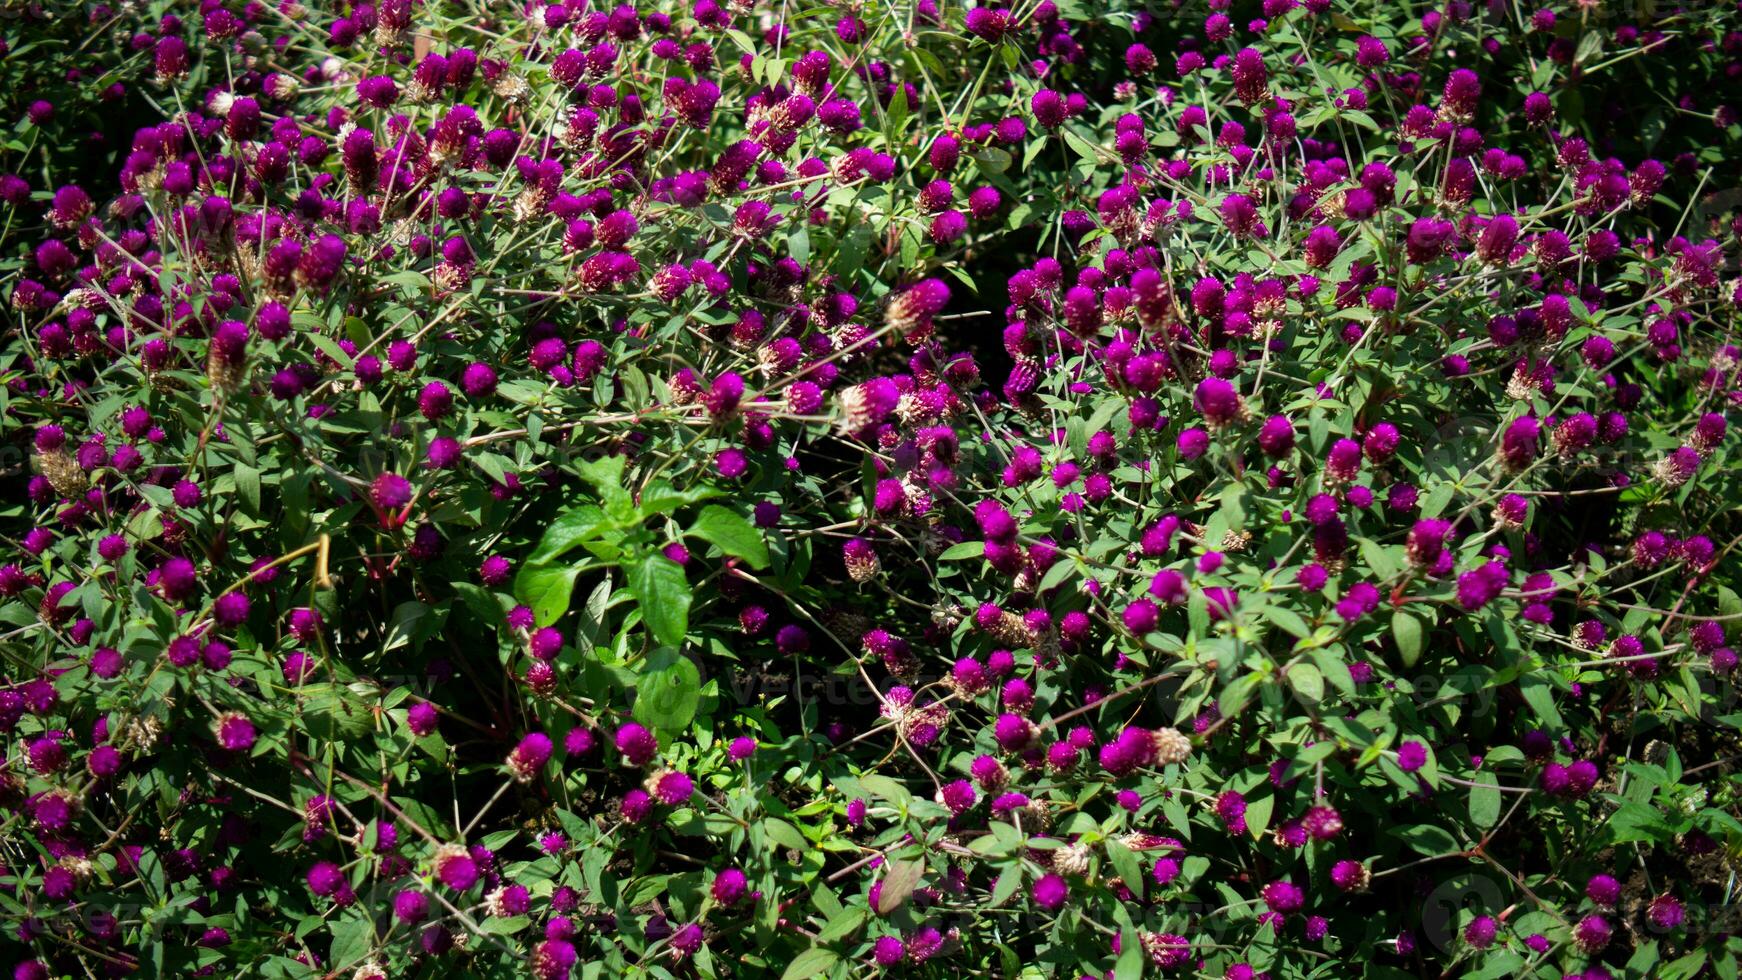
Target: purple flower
(1051, 892)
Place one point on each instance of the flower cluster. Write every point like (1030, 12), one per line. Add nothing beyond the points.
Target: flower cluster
(704, 487)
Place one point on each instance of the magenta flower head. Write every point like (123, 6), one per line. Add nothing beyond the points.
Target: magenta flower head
(390, 491)
(1481, 932)
(1604, 890)
(421, 718)
(1350, 876)
(672, 788)
(529, 757)
(1519, 443)
(1462, 92)
(234, 732)
(1051, 892)
(887, 951)
(1592, 934)
(637, 744)
(911, 312)
(1411, 756)
(1283, 897)
(1343, 461)
(456, 868)
(230, 609)
(989, 23)
(1251, 80)
(730, 887)
(1276, 436)
(325, 879)
(411, 907)
(1665, 913)
(1217, 401)
(860, 558)
(1426, 541)
(1140, 617)
(1049, 108)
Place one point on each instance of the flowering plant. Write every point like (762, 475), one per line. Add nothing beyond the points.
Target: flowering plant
(731, 489)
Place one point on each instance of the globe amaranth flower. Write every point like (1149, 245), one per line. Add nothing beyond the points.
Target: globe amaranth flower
(1051, 892)
(958, 797)
(456, 868)
(234, 732)
(1665, 913)
(730, 887)
(671, 788)
(1592, 933)
(637, 744)
(529, 756)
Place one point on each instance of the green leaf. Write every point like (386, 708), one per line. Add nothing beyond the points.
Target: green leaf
(1009, 880)
(843, 925)
(571, 527)
(1307, 681)
(1540, 697)
(899, 881)
(1686, 968)
(1289, 621)
(1729, 603)
(732, 533)
(813, 962)
(546, 590)
(1126, 864)
(966, 549)
(606, 471)
(993, 160)
(784, 834)
(248, 486)
(1406, 630)
(1428, 839)
(332, 711)
(886, 788)
(1258, 816)
(1378, 558)
(506, 926)
(1083, 147)
(410, 623)
(1130, 963)
(1635, 822)
(352, 941)
(666, 698)
(1485, 800)
(660, 497)
(331, 349)
(663, 594)
(480, 604)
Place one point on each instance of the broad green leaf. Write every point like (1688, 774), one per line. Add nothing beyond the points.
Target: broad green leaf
(1406, 630)
(843, 925)
(1258, 816)
(1130, 963)
(666, 698)
(663, 594)
(1125, 862)
(899, 880)
(1306, 679)
(545, 589)
(966, 549)
(1428, 839)
(732, 533)
(1485, 800)
(571, 528)
(352, 941)
(813, 962)
(784, 834)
